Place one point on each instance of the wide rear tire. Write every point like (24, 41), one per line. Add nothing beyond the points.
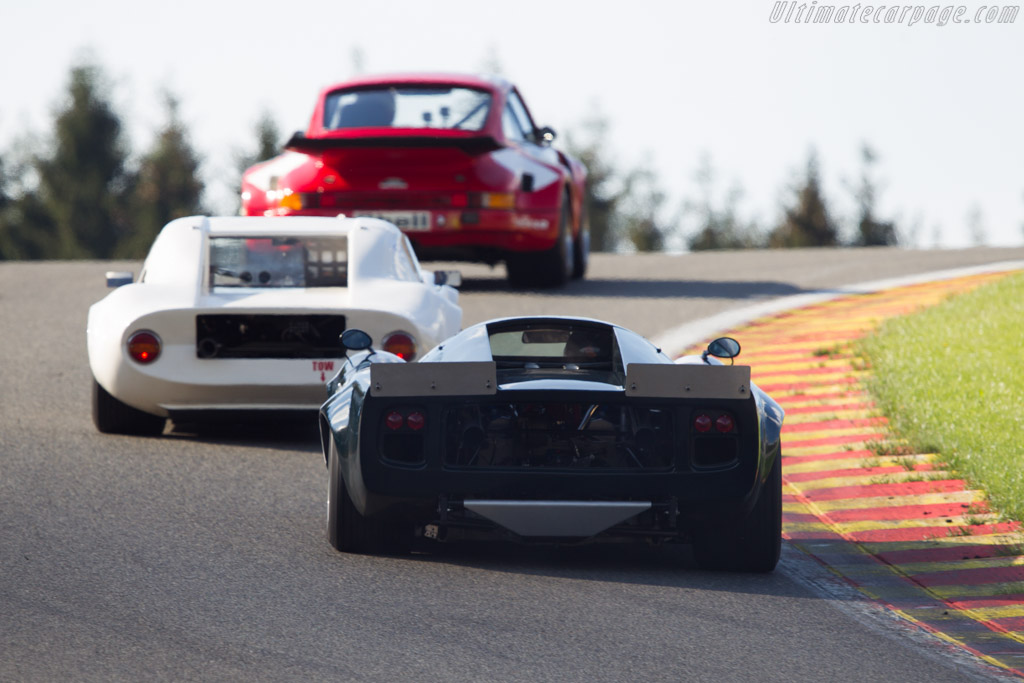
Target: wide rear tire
(111, 416)
(755, 542)
(350, 532)
(550, 268)
(581, 245)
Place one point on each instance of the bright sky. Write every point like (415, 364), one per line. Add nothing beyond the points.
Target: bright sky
(943, 106)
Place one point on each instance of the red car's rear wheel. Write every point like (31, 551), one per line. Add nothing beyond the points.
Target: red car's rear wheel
(581, 245)
(552, 267)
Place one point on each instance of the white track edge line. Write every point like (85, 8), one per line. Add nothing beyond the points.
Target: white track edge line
(677, 339)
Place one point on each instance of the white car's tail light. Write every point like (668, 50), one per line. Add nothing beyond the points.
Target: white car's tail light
(144, 346)
(401, 344)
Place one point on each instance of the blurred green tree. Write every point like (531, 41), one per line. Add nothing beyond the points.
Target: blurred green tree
(605, 188)
(268, 146)
(83, 183)
(976, 225)
(268, 143)
(26, 229)
(718, 228)
(167, 185)
(807, 222)
(639, 211)
(9, 235)
(870, 230)
(5, 199)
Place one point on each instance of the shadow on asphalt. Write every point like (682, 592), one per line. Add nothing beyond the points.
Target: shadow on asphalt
(286, 434)
(647, 289)
(669, 565)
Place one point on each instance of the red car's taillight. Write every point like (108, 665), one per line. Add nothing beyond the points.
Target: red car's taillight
(492, 200)
(144, 346)
(401, 344)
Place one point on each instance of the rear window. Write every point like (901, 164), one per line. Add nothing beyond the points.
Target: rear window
(407, 107)
(587, 345)
(271, 262)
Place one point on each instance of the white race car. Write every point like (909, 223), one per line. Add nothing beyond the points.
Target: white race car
(233, 316)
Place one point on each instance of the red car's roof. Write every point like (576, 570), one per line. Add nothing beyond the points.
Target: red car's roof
(480, 82)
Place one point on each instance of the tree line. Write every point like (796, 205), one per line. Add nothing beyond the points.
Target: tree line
(81, 193)
(627, 208)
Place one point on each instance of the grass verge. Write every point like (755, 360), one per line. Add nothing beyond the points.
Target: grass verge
(951, 380)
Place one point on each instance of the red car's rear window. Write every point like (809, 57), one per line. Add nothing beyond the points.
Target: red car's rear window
(446, 107)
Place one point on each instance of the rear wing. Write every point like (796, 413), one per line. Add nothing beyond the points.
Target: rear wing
(643, 380)
(434, 379)
(660, 380)
(475, 144)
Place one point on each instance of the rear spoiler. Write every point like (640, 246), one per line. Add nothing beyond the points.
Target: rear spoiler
(643, 380)
(657, 380)
(478, 144)
(434, 379)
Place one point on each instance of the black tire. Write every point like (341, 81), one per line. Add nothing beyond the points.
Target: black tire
(350, 532)
(581, 245)
(114, 417)
(550, 268)
(754, 543)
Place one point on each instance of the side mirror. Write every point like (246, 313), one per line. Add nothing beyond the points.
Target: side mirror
(546, 135)
(119, 278)
(723, 347)
(452, 278)
(355, 340)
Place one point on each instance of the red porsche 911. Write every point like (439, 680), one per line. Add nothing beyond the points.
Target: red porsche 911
(456, 162)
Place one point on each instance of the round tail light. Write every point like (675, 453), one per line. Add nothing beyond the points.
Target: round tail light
(415, 421)
(702, 423)
(725, 424)
(394, 420)
(401, 344)
(144, 347)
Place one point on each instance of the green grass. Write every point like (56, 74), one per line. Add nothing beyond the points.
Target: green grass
(888, 448)
(951, 380)
(829, 351)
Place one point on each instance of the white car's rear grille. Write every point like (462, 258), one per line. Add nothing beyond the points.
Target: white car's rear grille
(269, 336)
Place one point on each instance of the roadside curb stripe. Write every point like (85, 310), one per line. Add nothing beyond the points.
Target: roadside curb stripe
(894, 524)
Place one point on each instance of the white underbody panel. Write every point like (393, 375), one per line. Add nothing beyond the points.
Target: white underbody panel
(556, 518)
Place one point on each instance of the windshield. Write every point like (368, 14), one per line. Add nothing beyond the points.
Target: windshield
(407, 107)
(278, 261)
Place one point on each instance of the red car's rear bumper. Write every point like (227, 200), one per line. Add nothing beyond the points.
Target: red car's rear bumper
(484, 234)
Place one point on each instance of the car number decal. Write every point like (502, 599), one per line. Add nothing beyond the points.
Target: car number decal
(410, 221)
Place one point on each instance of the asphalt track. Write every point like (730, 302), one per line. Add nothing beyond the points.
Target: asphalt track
(202, 557)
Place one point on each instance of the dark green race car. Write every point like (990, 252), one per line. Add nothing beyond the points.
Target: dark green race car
(558, 430)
